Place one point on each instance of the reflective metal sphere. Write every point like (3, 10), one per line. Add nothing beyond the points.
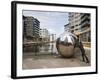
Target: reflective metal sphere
(65, 44)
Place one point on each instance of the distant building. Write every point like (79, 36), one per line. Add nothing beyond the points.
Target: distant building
(31, 26)
(44, 34)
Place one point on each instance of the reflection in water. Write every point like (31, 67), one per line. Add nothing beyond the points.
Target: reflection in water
(40, 48)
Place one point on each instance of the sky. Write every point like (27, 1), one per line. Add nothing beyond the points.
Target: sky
(53, 21)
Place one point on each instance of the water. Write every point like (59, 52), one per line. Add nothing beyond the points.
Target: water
(49, 48)
(46, 48)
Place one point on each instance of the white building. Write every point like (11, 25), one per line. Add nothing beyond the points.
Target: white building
(44, 34)
(79, 23)
(67, 27)
(74, 22)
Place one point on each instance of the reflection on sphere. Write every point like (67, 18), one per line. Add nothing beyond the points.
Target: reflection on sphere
(65, 44)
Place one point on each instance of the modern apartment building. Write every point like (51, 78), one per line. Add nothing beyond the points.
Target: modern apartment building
(79, 23)
(67, 27)
(74, 22)
(31, 26)
(85, 34)
(36, 27)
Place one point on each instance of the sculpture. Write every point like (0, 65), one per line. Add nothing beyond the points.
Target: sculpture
(66, 44)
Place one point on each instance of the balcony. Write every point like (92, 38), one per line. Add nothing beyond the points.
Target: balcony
(85, 18)
(85, 24)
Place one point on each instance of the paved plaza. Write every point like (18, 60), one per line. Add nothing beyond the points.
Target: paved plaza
(39, 61)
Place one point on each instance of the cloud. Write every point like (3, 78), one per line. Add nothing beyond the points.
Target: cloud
(51, 31)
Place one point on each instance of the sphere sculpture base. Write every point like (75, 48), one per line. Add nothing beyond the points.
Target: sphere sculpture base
(66, 51)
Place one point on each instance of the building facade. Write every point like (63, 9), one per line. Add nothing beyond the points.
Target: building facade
(74, 22)
(31, 27)
(85, 34)
(44, 34)
(79, 23)
(67, 27)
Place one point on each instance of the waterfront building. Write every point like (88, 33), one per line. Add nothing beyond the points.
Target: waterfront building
(44, 34)
(79, 23)
(31, 27)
